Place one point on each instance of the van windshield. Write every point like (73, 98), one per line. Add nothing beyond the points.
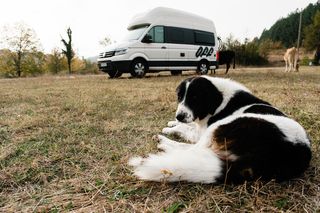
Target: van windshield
(135, 34)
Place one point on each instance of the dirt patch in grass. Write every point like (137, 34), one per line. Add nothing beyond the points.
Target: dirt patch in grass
(65, 142)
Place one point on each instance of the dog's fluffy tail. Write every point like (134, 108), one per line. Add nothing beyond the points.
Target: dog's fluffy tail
(196, 164)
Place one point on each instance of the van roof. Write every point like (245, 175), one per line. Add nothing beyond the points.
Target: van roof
(171, 17)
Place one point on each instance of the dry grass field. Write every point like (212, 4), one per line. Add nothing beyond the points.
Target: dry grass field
(65, 143)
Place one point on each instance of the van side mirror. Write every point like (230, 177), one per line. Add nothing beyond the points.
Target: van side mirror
(147, 39)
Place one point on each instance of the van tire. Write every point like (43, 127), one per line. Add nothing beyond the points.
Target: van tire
(114, 73)
(138, 68)
(176, 72)
(203, 67)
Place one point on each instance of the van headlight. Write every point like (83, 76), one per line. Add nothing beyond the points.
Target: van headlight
(121, 51)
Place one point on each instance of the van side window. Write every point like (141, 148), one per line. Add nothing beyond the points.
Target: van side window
(157, 34)
(204, 38)
(175, 35)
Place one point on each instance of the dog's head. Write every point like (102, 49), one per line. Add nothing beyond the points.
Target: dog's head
(197, 98)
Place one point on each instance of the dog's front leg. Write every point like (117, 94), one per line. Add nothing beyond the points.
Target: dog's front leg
(167, 144)
(188, 132)
(175, 123)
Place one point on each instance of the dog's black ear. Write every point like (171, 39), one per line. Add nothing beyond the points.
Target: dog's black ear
(215, 97)
(211, 97)
(184, 82)
(202, 97)
(181, 89)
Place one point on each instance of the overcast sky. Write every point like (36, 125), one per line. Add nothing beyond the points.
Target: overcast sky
(92, 20)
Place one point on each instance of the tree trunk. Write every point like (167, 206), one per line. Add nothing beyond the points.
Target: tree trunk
(69, 66)
(19, 64)
(19, 70)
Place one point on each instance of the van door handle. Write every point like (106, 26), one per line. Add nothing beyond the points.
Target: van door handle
(163, 47)
(182, 54)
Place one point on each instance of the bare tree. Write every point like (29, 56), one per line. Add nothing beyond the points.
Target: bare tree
(20, 40)
(68, 52)
(105, 42)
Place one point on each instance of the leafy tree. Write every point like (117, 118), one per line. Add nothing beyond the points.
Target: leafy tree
(56, 61)
(68, 52)
(267, 45)
(34, 63)
(78, 64)
(312, 33)
(231, 43)
(90, 67)
(7, 68)
(20, 40)
(247, 53)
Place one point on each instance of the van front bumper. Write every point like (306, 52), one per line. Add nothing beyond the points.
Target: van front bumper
(108, 65)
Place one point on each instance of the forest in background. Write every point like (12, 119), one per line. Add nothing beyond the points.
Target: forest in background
(285, 30)
(281, 35)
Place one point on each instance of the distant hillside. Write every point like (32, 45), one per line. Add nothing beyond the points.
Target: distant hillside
(285, 30)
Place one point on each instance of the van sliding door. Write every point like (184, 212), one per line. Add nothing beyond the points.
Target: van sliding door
(156, 50)
(179, 48)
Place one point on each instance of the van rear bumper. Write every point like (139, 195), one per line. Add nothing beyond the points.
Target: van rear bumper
(108, 65)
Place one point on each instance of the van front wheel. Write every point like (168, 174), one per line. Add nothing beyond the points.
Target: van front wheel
(138, 68)
(203, 68)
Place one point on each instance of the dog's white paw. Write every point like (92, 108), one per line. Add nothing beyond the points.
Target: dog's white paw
(162, 138)
(135, 161)
(167, 131)
(155, 138)
(163, 143)
(173, 123)
(163, 146)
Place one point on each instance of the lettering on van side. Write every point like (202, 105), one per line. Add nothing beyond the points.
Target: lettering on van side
(204, 52)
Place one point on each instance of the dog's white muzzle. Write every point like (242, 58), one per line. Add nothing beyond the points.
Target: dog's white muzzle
(184, 114)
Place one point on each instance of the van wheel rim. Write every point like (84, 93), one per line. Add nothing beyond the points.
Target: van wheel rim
(203, 68)
(139, 69)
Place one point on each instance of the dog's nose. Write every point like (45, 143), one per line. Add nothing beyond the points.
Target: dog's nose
(181, 116)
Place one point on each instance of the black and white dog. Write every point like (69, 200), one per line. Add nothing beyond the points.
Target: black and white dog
(235, 137)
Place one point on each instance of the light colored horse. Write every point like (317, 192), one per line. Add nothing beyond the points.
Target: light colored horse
(291, 60)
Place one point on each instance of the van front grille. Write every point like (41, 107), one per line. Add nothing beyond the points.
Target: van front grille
(106, 54)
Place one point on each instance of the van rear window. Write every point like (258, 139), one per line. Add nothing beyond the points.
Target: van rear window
(204, 38)
(177, 35)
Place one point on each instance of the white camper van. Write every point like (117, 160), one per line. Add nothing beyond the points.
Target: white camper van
(163, 39)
